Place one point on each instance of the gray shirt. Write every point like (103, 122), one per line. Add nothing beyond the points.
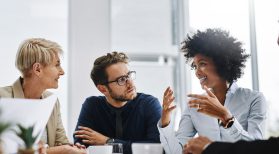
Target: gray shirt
(247, 106)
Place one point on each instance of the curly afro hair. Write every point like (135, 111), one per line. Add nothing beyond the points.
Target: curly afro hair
(226, 51)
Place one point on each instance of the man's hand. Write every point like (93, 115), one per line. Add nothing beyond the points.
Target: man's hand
(168, 98)
(90, 136)
(196, 145)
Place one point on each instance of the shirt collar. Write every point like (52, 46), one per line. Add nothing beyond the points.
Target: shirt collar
(232, 89)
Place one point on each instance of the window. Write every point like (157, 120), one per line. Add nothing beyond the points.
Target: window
(232, 16)
(267, 28)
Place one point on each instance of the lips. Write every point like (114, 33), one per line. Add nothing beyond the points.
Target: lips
(130, 90)
(57, 79)
(202, 79)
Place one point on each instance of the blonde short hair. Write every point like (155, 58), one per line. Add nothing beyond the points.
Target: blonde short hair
(36, 50)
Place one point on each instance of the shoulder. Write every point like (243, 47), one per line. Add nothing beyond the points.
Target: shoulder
(6, 91)
(94, 100)
(148, 105)
(248, 93)
(146, 98)
(250, 97)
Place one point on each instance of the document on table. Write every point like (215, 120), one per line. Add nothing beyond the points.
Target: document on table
(27, 112)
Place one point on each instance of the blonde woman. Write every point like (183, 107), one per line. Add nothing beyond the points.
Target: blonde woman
(38, 61)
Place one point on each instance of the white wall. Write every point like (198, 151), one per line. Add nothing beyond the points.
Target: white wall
(89, 37)
(32, 18)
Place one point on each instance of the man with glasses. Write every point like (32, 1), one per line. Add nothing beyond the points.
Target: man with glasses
(122, 115)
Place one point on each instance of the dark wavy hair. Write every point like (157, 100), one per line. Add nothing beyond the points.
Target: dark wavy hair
(226, 51)
(98, 73)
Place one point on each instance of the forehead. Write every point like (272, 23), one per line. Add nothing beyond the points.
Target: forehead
(200, 57)
(55, 58)
(116, 70)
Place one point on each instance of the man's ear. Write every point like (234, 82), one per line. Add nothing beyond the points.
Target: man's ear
(37, 69)
(102, 88)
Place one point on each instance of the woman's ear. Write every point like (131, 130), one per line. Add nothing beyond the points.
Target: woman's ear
(37, 69)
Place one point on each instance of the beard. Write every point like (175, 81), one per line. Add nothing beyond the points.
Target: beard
(120, 98)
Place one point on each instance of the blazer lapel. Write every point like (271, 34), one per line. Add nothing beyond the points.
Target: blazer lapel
(17, 89)
(50, 127)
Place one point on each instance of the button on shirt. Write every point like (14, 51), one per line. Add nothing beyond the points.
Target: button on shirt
(247, 106)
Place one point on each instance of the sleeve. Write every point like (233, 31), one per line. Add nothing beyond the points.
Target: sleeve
(256, 121)
(269, 146)
(173, 142)
(60, 131)
(151, 118)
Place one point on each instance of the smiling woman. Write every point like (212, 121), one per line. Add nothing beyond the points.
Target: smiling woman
(224, 113)
(38, 61)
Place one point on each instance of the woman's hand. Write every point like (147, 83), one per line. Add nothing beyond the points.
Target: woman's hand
(196, 145)
(167, 107)
(209, 105)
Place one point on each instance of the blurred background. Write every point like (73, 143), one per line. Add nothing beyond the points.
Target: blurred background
(150, 32)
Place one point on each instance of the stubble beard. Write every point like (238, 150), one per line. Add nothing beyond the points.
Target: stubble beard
(121, 98)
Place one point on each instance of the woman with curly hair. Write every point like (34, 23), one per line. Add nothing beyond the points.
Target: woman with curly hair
(225, 112)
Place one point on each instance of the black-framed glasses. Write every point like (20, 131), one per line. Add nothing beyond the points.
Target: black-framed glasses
(122, 80)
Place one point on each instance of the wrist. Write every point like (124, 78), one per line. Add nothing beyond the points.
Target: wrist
(165, 124)
(110, 140)
(165, 120)
(205, 146)
(228, 123)
(105, 140)
(226, 117)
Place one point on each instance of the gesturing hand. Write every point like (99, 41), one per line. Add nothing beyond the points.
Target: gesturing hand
(167, 108)
(90, 136)
(210, 105)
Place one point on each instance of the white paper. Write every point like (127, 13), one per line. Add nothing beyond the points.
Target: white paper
(26, 112)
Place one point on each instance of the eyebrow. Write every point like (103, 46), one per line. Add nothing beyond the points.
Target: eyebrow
(199, 61)
(122, 75)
